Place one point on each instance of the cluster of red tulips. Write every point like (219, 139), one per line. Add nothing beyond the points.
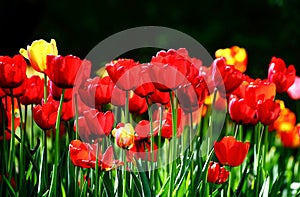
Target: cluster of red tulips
(98, 114)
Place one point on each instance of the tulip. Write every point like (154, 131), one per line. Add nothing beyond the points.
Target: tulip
(282, 76)
(235, 56)
(226, 78)
(63, 70)
(94, 124)
(45, 114)
(124, 135)
(84, 155)
(123, 73)
(12, 71)
(37, 53)
(268, 112)
(34, 88)
(216, 173)
(240, 111)
(231, 152)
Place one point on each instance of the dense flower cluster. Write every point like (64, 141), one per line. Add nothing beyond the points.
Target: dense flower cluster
(160, 95)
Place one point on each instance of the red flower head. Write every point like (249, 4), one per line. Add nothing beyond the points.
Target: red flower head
(12, 71)
(84, 155)
(137, 104)
(279, 74)
(291, 138)
(226, 78)
(216, 173)
(97, 92)
(67, 111)
(268, 112)
(231, 152)
(160, 97)
(259, 91)
(146, 87)
(94, 124)
(45, 114)
(192, 96)
(286, 120)
(240, 112)
(63, 70)
(141, 149)
(56, 92)
(34, 89)
(166, 130)
(122, 74)
(171, 68)
(18, 91)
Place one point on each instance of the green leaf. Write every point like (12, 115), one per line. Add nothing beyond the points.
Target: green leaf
(145, 180)
(137, 183)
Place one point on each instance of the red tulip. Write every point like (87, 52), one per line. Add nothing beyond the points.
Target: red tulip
(63, 70)
(145, 86)
(18, 91)
(12, 71)
(226, 78)
(279, 74)
(94, 124)
(268, 112)
(166, 130)
(216, 173)
(56, 92)
(259, 91)
(160, 97)
(34, 89)
(142, 129)
(84, 155)
(137, 104)
(240, 111)
(141, 149)
(67, 111)
(191, 96)
(170, 69)
(122, 73)
(45, 115)
(231, 152)
(97, 92)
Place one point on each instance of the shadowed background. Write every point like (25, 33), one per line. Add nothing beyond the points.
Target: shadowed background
(265, 28)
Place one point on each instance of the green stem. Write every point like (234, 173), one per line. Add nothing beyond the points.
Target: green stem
(191, 152)
(45, 88)
(76, 116)
(22, 136)
(54, 180)
(126, 110)
(97, 171)
(12, 139)
(152, 171)
(174, 138)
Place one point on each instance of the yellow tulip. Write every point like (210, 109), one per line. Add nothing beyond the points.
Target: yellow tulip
(37, 53)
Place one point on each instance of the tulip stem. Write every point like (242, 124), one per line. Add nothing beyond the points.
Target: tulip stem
(126, 108)
(76, 117)
(45, 88)
(96, 170)
(22, 136)
(174, 139)
(152, 171)
(54, 180)
(12, 139)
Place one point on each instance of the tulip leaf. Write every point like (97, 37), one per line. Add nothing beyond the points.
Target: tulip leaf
(145, 181)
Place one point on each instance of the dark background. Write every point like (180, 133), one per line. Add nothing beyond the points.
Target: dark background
(265, 28)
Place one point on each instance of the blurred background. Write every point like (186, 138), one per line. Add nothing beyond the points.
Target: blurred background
(265, 28)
